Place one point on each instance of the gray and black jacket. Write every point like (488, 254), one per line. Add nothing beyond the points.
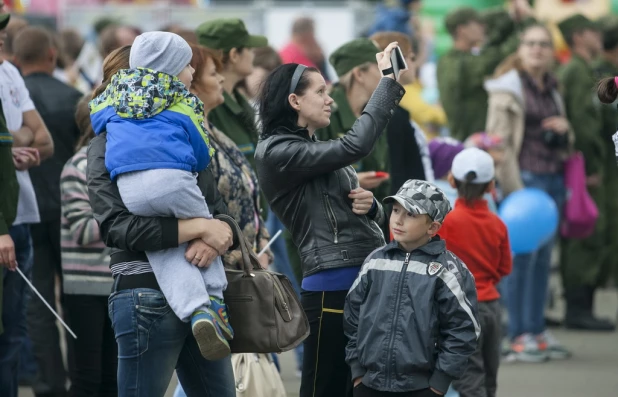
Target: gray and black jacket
(411, 319)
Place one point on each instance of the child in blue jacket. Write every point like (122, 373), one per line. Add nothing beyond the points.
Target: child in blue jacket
(156, 143)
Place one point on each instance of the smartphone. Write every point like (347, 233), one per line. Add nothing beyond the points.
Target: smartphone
(398, 62)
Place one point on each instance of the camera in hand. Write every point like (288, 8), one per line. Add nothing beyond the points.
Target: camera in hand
(554, 140)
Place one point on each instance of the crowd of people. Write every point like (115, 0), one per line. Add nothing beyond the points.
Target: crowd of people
(125, 161)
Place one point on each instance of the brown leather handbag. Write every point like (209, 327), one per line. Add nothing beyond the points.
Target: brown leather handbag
(263, 307)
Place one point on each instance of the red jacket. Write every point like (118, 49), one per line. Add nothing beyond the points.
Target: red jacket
(481, 240)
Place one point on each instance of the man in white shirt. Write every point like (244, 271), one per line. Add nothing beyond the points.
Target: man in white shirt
(31, 143)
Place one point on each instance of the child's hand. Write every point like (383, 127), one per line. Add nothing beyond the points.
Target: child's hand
(358, 381)
(434, 391)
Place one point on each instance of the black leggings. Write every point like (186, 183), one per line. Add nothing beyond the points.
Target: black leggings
(96, 353)
(325, 372)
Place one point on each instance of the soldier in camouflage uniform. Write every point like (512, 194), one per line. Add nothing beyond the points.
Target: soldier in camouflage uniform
(474, 57)
(607, 66)
(583, 260)
(357, 69)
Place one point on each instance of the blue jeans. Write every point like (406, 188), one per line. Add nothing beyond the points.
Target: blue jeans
(152, 342)
(282, 265)
(15, 293)
(527, 286)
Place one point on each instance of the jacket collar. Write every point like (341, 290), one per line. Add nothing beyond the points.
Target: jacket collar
(233, 103)
(302, 132)
(434, 247)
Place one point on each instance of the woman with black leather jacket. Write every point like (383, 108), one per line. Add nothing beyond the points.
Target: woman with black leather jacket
(312, 188)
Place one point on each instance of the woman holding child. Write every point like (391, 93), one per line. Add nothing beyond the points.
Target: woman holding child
(152, 340)
(311, 186)
(527, 111)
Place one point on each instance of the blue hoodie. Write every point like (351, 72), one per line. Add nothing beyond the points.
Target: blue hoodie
(152, 122)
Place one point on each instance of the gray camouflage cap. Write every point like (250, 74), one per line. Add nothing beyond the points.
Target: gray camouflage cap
(421, 197)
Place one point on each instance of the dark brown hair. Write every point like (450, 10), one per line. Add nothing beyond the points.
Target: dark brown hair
(607, 90)
(469, 191)
(72, 43)
(115, 61)
(200, 58)
(82, 118)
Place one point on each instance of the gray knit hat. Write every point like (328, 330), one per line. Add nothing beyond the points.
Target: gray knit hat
(161, 51)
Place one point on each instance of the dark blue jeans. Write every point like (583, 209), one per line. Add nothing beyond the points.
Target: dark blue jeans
(527, 286)
(15, 293)
(152, 342)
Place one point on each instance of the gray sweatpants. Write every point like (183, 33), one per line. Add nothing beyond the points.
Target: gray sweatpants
(169, 192)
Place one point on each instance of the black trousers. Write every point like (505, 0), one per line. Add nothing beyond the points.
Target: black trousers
(94, 372)
(42, 328)
(364, 391)
(325, 372)
(481, 376)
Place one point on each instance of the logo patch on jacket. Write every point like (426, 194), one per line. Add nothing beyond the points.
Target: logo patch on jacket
(433, 268)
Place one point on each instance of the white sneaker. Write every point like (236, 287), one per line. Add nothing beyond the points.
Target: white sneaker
(555, 350)
(525, 348)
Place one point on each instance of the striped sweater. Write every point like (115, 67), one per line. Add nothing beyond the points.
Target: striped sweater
(85, 258)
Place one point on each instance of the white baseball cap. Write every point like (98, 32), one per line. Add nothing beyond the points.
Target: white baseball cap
(473, 165)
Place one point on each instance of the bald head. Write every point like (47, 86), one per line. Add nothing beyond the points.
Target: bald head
(34, 46)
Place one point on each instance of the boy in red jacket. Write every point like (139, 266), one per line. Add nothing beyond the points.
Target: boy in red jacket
(480, 239)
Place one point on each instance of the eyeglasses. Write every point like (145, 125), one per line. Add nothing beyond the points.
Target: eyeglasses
(542, 44)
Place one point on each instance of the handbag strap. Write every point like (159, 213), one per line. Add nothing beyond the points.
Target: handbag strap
(249, 258)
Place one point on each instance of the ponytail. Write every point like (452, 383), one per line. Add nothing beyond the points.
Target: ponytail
(607, 90)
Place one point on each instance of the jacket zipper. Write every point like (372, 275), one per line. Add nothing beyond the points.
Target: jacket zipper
(331, 217)
(391, 343)
(280, 293)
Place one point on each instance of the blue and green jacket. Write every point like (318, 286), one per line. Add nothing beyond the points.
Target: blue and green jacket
(152, 122)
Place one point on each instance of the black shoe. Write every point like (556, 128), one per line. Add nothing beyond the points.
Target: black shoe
(587, 322)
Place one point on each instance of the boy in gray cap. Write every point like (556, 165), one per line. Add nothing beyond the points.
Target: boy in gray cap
(157, 142)
(411, 315)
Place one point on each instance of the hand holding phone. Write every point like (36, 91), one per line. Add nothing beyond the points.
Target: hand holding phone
(391, 61)
(398, 62)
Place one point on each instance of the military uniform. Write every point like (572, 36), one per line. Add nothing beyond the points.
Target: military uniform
(235, 117)
(461, 74)
(9, 187)
(604, 68)
(582, 261)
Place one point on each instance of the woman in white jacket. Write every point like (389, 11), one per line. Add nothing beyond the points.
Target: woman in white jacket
(526, 110)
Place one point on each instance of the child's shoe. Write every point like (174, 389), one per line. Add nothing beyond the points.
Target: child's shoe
(525, 348)
(221, 317)
(550, 345)
(209, 336)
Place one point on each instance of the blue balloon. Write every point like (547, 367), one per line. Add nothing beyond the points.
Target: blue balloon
(531, 217)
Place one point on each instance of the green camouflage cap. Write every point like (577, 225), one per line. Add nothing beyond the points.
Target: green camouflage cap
(4, 20)
(461, 16)
(225, 34)
(576, 23)
(421, 197)
(353, 54)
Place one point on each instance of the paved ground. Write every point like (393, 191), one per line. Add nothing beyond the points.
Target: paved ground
(593, 370)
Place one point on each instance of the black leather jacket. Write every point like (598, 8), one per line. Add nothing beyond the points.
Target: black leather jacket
(131, 235)
(307, 183)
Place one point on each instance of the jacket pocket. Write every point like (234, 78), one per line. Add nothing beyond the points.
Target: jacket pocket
(332, 219)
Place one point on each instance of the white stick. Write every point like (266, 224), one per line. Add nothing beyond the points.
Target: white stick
(44, 301)
(272, 240)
